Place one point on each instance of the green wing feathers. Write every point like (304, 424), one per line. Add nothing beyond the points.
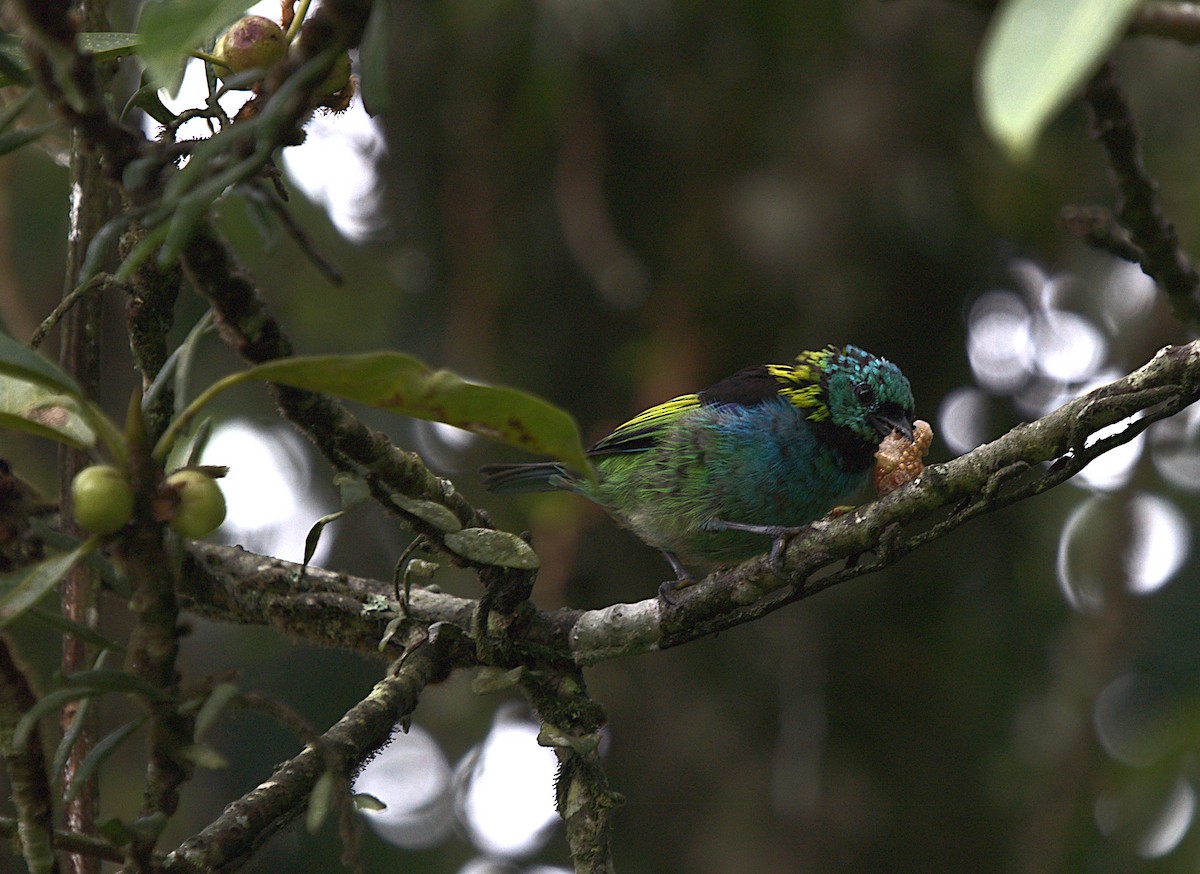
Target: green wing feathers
(642, 431)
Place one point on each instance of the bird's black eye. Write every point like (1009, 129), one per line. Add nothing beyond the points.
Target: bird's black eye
(865, 394)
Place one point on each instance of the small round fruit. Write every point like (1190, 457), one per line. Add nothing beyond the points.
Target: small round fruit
(254, 42)
(102, 499)
(201, 505)
(336, 79)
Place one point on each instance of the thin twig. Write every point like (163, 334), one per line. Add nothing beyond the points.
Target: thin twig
(98, 283)
(1139, 208)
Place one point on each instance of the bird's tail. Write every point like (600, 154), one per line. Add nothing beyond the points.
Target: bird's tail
(541, 476)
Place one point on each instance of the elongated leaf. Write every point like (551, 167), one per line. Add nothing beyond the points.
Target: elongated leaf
(214, 705)
(14, 110)
(171, 29)
(99, 753)
(363, 801)
(14, 66)
(399, 382)
(320, 800)
(76, 629)
(27, 406)
(1035, 56)
(106, 680)
(314, 536)
(489, 546)
(31, 585)
(11, 140)
(147, 100)
(106, 45)
(25, 364)
(204, 757)
(375, 59)
(75, 729)
(70, 736)
(47, 704)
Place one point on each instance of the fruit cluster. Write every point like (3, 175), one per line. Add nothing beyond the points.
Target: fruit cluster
(189, 500)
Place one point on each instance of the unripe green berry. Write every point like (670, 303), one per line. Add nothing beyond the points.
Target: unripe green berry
(102, 499)
(337, 78)
(254, 42)
(201, 505)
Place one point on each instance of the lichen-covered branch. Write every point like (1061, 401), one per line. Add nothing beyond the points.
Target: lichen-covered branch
(68, 78)
(232, 838)
(1170, 20)
(571, 725)
(226, 584)
(70, 842)
(26, 766)
(1139, 209)
(153, 653)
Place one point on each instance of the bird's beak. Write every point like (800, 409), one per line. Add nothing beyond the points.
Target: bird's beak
(886, 421)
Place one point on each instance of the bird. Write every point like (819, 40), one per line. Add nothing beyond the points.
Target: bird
(705, 477)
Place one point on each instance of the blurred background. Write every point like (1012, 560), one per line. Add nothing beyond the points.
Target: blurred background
(608, 203)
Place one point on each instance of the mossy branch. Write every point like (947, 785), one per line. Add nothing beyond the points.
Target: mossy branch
(228, 584)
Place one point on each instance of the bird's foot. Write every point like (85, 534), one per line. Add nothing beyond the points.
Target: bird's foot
(683, 579)
(781, 534)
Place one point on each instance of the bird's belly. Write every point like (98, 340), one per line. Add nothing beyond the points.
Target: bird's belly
(776, 475)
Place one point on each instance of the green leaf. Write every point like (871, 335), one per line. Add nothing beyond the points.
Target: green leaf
(352, 490)
(204, 757)
(20, 361)
(16, 109)
(171, 29)
(76, 629)
(106, 45)
(99, 753)
(489, 546)
(70, 736)
(75, 729)
(428, 511)
(365, 801)
(11, 140)
(399, 382)
(375, 58)
(320, 800)
(45, 412)
(31, 585)
(105, 680)
(14, 66)
(47, 704)
(214, 705)
(1035, 56)
(489, 680)
(314, 536)
(147, 100)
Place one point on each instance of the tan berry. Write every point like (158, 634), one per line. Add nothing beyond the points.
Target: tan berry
(898, 461)
(102, 499)
(253, 43)
(201, 506)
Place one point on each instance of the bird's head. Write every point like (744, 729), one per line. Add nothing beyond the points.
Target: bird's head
(859, 392)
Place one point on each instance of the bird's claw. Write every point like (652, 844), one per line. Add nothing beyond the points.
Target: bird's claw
(670, 588)
(779, 548)
(683, 579)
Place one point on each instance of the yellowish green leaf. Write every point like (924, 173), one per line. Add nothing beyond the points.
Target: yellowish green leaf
(1035, 56)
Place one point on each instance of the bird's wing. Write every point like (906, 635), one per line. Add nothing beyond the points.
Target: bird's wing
(746, 388)
(641, 432)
